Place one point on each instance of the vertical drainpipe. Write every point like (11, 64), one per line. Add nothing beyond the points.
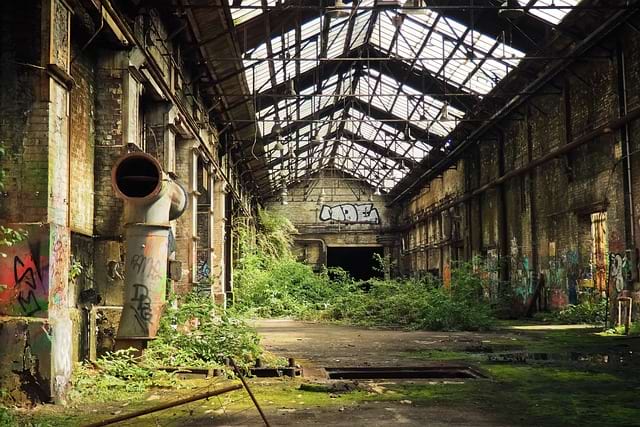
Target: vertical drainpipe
(228, 250)
(629, 221)
(533, 219)
(151, 200)
(502, 219)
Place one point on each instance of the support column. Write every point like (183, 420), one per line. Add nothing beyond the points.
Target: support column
(218, 270)
(186, 164)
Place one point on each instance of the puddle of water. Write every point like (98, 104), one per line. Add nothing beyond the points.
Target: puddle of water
(403, 372)
(617, 358)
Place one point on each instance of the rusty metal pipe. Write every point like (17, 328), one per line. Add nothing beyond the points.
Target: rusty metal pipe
(151, 199)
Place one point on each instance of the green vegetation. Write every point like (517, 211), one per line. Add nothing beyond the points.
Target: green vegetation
(199, 333)
(116, 376)
(420, 304)
(271, 282)
(6, 417)
(590, 312)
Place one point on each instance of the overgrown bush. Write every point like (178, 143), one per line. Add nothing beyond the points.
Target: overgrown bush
(417, 304)
(272, 283)
(116, 374)
(281, 287)
(585, 312)
(196, 333)
(199, 333)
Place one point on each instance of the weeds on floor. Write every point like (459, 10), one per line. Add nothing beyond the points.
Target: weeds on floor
(589, 312)
(195, 333)
(271, 282)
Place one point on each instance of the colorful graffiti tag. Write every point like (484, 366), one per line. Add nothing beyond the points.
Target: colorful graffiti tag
(24, 275)
(618, 271)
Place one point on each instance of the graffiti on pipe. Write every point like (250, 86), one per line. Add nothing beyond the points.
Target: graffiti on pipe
(363, 213)
(141, 304)
(147, 267)
(59, 268)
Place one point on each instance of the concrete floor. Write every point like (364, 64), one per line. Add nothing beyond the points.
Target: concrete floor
(555, 392)
(318, 345)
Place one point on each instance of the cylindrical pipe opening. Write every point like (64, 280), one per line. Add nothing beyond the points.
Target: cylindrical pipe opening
(137, 175)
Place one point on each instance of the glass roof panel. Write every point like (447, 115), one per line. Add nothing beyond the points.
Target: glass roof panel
(553, 16)
(448, 53)
(284, 47)
(240, 15)
(409, 104)
(467, 60)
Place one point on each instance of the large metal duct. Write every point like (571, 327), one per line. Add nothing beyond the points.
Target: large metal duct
(152, 199)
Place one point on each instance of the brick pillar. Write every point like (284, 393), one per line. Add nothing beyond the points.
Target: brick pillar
(186, 164)
(218, 270)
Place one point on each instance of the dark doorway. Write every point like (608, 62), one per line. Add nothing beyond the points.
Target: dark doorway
(357, 261)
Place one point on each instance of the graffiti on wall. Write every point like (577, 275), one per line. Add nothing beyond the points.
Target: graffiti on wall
(203, 270)
(24, 275)
(363, 213)
(59, 268)
(618, 271)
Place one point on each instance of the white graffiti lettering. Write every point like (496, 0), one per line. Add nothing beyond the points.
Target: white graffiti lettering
(363, 213)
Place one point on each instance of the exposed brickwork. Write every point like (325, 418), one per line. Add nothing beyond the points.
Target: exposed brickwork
(547, 232)
(82, 104)
(345, 217)
(24, 115)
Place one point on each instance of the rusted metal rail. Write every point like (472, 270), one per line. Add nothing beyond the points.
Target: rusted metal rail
(167, 405)
(246, 386)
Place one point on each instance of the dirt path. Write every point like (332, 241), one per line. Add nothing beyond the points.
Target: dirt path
(317, 345)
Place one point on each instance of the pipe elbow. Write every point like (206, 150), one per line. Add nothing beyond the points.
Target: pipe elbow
(150, 195)
(179, 199)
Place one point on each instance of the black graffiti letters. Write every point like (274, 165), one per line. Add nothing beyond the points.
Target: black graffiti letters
(25, 285)
(147, 267)
(141, 304)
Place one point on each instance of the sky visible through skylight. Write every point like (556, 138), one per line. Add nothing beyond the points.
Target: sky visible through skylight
(467, 60)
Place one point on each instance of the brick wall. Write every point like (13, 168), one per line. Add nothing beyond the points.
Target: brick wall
(539, 224)
(82, 105)
(24, 115)
(349, 214)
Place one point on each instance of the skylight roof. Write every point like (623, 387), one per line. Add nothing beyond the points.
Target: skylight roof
(377, 123)
(285, 47)
(447, 49)
(241, 15)
(553, 16)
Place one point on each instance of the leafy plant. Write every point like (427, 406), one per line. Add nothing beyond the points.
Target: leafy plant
(272, 283)
(9, 237)
(75, 270)
(6, 417)
(417, 304)
(117, 374)
(200, 333)
(592, 312)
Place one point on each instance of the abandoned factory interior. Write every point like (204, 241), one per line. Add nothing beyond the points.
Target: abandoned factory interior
(319, 212)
